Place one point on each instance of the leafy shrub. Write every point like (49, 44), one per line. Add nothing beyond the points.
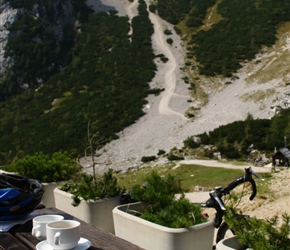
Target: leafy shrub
(152, 8)
(161, 152)
(87, 188)
(167, 32)
(164, 59)
(169, 41)
(208, 153)
(190, 142)
(154, 91)
(59, 167)
(163, 208)
(173, 157)
(148, 158)
(229, 152)
(193, 22)
(261, 234)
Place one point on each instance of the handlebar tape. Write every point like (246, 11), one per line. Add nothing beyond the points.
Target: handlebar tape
(254, 189)
(246, 178)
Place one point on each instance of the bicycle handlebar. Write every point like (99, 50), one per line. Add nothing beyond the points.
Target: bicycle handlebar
(216, 194)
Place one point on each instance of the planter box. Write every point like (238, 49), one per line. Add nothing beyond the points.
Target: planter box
(48, 197)
(151, 236)
(98, 213)
(230, 244)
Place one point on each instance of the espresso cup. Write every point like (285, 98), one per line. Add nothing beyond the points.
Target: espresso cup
(64, 234)
(39, 225)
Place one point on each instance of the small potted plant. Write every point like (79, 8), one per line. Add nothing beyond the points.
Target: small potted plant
(160, 221)
(90, 196)
(50, 170)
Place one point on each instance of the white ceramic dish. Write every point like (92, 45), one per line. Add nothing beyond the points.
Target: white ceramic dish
(83, 244)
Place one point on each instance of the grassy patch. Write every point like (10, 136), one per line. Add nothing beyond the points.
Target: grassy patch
(188, 175)
(208, 177)
(258, 95)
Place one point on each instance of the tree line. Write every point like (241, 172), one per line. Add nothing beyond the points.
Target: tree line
(233, 140)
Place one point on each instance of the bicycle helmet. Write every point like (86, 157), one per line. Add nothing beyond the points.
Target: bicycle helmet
(19, 196)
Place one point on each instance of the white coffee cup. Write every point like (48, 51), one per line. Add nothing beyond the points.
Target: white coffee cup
(39, 224)
(64, 234)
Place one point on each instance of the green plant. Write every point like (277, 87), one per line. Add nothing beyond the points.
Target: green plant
(188, 175)
(163, 208)
(92, 186)
(161, 152)
(148, 158)
(167, 32)
(152, 8)
(88, 187)
(261, 234)
(173, 157)
(45, 168)
(164, 59)
(169, 40)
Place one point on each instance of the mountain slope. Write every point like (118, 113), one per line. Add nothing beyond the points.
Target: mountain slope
(260, 89)
(99, 86)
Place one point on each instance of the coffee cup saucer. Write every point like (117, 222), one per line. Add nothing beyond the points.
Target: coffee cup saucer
(83, 244)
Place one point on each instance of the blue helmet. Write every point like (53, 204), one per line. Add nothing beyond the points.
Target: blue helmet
(19, 196)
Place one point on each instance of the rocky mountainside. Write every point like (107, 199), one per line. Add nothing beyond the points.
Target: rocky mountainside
(260, 89)
(56, 16)
(7, 16)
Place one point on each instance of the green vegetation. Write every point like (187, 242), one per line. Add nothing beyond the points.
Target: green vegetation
(105, 74)
(35, 48)
(260, 234)
(30, 62)
(84, 187)
(198, 12)
(148, 158)
(169, 41)
(188, 176)
(241, 31)
(22, 4)
(59, 167)
(245, 27)
(163, 208)
(105, 83)
(173, 11)
(233, 140)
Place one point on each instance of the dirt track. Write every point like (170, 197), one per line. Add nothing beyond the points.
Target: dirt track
(213, 163)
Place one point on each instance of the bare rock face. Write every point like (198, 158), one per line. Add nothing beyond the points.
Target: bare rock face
(7, 17)
(56, 16)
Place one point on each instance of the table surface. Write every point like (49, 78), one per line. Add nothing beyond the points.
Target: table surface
(19, 237)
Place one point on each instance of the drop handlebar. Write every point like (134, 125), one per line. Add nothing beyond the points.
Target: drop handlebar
(217, 193)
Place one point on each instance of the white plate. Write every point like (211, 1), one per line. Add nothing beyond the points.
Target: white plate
(83, 244)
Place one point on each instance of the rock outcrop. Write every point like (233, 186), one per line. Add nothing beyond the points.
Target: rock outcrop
(56, 15)
(7, 17)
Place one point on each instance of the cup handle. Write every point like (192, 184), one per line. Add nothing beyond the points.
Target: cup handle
(57, 238)
(35, 232)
